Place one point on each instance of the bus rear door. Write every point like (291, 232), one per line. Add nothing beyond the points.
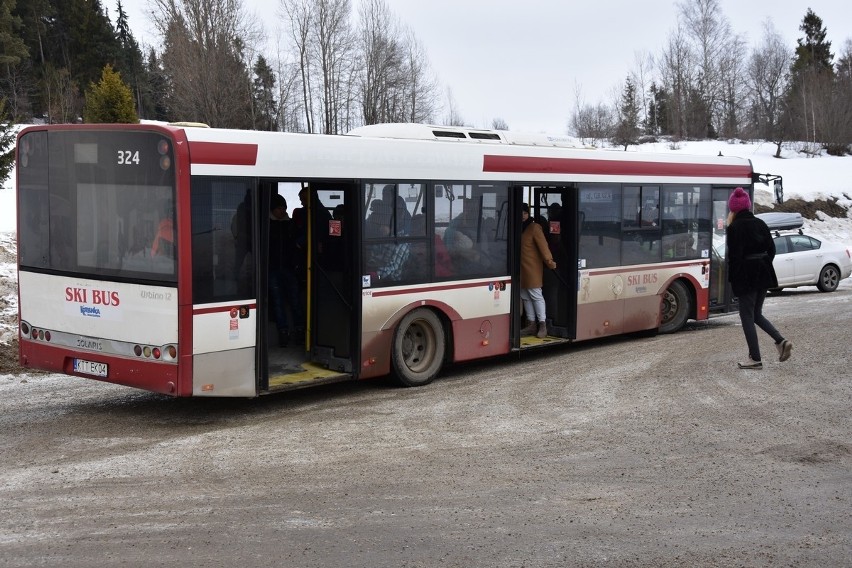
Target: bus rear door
(555, 208)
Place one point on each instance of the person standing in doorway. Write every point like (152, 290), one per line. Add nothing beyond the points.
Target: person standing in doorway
(283, 286)
(535, 253)
(750, 272)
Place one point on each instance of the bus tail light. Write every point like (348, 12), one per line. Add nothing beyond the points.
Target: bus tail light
(25, 329)
(165, 353)
(47, 336)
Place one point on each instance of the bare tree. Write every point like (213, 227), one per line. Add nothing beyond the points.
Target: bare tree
(591, 123)
(768, 75)
(396, 82)
(322, 38)
(640, 76)
(499, 124)
(380, 53)
(299, 14)
(419, 83)
(333, 48)
(207, 44)
(290, 108)
(709, 35)
(843, 98)
(452, 116)
(677, 75)
(733, 94)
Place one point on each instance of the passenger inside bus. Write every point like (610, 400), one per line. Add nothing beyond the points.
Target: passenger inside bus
(386, 260)
(461, 238)
(394, 201)
(241, 231)
(284, 294)
(164, 239)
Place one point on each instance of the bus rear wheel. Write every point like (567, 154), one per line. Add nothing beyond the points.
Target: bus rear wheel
(418, 348)
(675, 307)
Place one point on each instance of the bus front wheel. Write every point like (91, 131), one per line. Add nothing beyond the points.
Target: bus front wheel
(418, 348)
(675, 307)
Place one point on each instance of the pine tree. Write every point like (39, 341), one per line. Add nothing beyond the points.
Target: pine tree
(110, 100)
(813, 52)
(12, 47)
(129, 60)
(156, 89)
(809, 100)
(263, 86)
(7, 143)
(657, 121)
(627, 129)
(13, 50)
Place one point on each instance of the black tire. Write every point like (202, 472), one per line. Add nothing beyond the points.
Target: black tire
(829, 278)
(675, 307)
(419, 345)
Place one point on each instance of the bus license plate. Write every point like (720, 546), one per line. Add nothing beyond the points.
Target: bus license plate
(90, 368)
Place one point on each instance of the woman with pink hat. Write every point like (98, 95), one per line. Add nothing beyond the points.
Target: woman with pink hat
(750, 272)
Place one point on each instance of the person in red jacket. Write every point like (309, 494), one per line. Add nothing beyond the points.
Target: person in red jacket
(535, 253)
(750, 272)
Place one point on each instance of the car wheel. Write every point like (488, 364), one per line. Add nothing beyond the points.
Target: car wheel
(675, 307)
(829, 278)
(418, 348)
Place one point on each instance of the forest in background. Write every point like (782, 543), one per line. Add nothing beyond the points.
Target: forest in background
(347, 64)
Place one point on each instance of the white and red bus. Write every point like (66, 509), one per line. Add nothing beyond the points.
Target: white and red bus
(142, 250)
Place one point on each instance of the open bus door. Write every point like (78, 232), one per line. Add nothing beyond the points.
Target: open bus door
(555, 209)
(331, 276)
(322, 248)
(721, 297)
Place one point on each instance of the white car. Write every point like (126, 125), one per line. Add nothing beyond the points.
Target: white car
(801, 260)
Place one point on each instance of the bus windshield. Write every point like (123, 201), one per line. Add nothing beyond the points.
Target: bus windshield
(97, 205)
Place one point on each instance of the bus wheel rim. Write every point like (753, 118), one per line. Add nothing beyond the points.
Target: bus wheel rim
(418, 346)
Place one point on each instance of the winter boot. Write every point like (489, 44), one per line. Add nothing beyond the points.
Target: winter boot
(784, 349)
(751, 364)
(542, 330)
(529, 328)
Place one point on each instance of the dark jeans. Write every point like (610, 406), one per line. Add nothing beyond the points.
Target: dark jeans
(751, 314)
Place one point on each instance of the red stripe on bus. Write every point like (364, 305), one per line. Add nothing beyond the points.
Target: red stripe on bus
(218, 309)
(524, 164)
(422, 290)
(646, 268)
(223, 153)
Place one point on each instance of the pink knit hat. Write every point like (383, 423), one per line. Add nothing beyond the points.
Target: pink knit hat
(739, 201)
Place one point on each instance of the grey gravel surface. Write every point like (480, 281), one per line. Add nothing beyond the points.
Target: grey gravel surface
(628, 452)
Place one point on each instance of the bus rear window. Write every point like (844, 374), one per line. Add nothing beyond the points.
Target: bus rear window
(98, 203)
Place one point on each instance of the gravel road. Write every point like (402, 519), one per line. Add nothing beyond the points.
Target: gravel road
(628, 452)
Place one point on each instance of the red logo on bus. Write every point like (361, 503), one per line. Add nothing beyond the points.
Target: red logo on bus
(89, 296)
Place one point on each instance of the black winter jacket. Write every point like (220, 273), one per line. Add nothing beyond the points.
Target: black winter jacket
(750, 254)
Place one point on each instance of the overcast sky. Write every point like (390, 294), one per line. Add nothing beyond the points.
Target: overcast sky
(526, 60)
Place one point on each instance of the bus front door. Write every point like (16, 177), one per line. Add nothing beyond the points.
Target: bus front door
(555, 209)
